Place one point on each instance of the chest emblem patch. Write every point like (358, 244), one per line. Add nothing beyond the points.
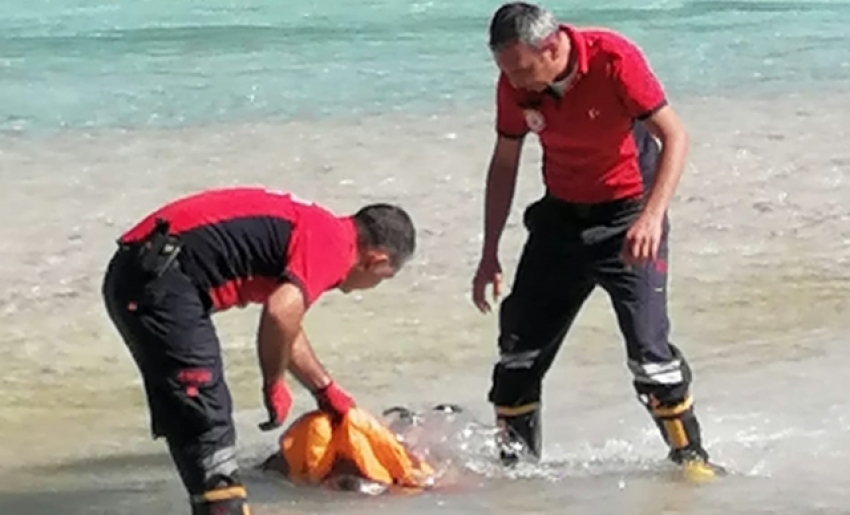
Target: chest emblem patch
(534, 119)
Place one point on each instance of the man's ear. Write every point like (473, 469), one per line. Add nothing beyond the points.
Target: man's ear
(551, 46)
(376, 257)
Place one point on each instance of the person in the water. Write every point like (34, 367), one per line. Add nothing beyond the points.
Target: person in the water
(360, 453)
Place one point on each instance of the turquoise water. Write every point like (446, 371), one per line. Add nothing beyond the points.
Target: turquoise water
(81, 63)
(281, 93)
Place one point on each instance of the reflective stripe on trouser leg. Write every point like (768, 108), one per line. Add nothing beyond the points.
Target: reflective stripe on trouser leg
(515, 395)
(549, 289)
(213, 480)
(221, 463)
(516, 399)
(202, 473)
(664, 389)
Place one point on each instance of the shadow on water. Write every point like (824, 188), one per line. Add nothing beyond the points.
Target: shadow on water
(126, 483)
(113, 484)
(93, 499)
(107, 464)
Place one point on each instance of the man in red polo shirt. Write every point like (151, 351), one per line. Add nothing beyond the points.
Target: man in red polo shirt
(590, 96)
(230, 247)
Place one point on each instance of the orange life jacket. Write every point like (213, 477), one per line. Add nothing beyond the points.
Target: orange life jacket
(312, 446)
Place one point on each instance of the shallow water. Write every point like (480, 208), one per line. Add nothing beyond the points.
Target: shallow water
(758, 300)
(110, 109)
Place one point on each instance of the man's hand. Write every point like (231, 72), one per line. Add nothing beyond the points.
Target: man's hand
(278, 401)
(280, 325)
(334, 400)
(489, 271)
(643, 239)
(644, 236)
(501, 182)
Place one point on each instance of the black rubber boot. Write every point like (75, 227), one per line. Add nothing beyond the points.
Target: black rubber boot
(520, 434)
(226, 498)
(681, 431)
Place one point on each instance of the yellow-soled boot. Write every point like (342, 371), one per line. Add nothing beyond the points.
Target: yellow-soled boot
(681, 431)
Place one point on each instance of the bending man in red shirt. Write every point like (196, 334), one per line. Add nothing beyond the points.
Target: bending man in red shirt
(221, 248)
(590, 96)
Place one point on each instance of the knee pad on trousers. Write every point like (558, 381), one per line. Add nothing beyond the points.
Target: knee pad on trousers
(520, 432)
(224, 500)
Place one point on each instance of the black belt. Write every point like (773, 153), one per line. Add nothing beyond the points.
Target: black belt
(586, 211)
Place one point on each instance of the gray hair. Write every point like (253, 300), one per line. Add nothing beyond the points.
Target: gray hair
(523, 22)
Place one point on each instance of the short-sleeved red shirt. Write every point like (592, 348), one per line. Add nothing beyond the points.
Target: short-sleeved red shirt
(240, 243)
(589, 152)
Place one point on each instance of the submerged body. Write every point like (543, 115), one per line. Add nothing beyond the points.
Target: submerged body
(366, 454)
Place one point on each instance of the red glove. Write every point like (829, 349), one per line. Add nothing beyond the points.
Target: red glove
(278, 400)
(334, 400)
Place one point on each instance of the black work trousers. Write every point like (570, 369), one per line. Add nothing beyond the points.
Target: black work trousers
(164, 319)
(572, 248)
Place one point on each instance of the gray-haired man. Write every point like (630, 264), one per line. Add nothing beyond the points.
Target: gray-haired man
(590, 97)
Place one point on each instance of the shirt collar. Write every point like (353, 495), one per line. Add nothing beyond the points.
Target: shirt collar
(578, 48)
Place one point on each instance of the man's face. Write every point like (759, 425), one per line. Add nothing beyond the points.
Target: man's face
(527, 67)
(375, 265)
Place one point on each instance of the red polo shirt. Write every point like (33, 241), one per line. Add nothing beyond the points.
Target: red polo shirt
(589, 153)
(240, 243)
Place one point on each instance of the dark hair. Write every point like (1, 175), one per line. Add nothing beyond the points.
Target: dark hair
(387, 227)
(520, 21)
